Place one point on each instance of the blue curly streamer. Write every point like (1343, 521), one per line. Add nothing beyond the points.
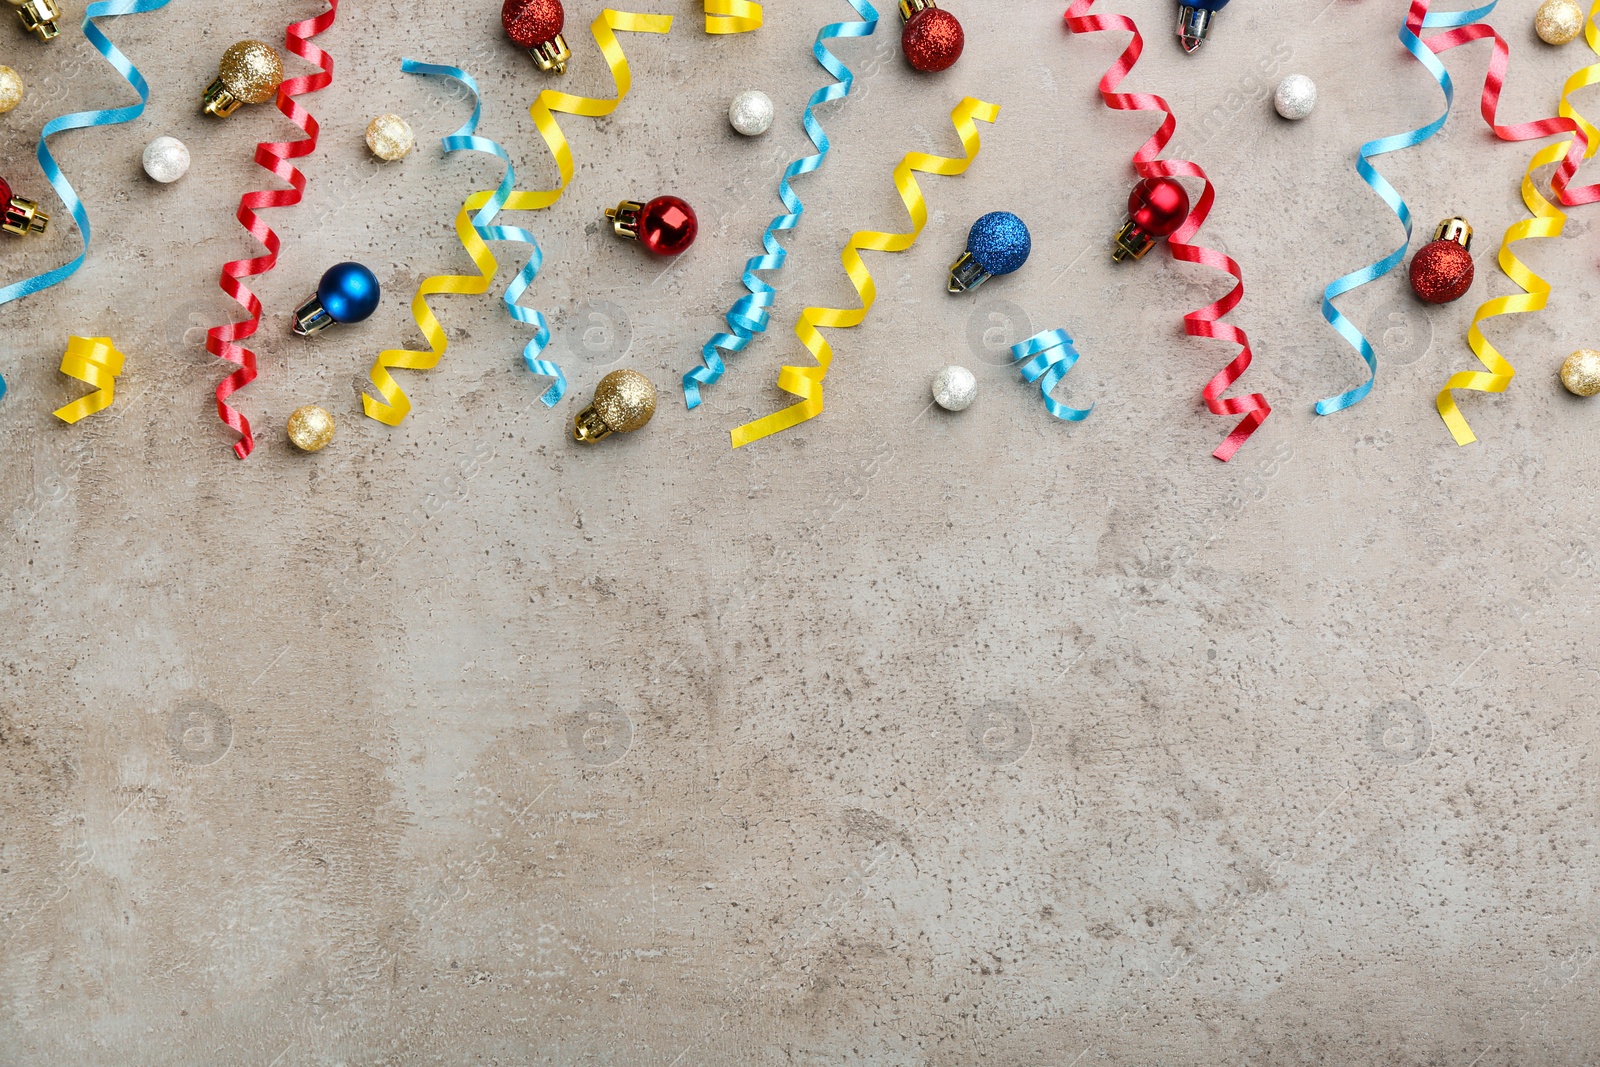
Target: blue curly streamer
(749, 315)
(463, 140)
(1053, 355)
(78, 121)
(1370, 175)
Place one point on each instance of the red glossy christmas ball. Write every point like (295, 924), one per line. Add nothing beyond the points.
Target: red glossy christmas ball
(667, 226)
(5, 194)
(1441, 272)
(1158, 206)
(933, 40)
(532, 22)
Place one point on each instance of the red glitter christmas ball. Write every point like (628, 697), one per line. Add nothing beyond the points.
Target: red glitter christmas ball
(933, 40)
(1441, 272)
(532, 22)
(667, 226)
(1158, 206)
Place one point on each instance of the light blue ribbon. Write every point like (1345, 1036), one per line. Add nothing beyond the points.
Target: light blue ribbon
(749, 315)
(1052, 356)
(1380, 185)
(78, 121)
(463, 140)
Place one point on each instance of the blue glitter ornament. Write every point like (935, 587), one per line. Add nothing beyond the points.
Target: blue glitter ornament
(347, 293)
(1194, 21)
(998, 244)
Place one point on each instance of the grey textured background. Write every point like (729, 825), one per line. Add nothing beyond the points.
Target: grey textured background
(902, 738)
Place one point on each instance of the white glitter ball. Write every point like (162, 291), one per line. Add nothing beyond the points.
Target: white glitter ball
(751, 113)
(1296, 96)
(390, 137)
(166, 159)
(10, 89)
(954, 388)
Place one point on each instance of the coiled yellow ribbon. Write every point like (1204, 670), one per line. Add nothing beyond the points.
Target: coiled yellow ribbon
(732, 16)
(1548, 221)
(806, 382)
(94, 361)
(394, 407)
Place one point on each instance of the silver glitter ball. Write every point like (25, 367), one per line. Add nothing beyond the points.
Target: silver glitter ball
(751, 113)
(954, 389)
(166, 159)
(1296, 96)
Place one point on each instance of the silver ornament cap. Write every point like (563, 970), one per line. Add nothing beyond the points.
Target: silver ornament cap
(166, 159)
(1296, 96)
(751, 113)
(954, 389)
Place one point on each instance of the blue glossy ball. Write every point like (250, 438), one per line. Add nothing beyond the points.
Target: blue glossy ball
(999, 242)
(1206, 5)
(349, 292)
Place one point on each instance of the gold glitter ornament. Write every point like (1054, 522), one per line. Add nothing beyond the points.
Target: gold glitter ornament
(623, 401)
(1558, 21)
(10, 89)
(249, 74)
(390, 137)
(1581, 372)
(310, 428)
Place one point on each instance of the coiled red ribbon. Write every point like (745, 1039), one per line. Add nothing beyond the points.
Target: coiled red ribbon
(1206, 321)
(221, 340)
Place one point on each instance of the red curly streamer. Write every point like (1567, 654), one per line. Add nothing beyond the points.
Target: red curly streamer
(220, 340)
(1205, 322)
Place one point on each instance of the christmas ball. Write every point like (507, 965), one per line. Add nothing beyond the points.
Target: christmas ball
(954, 388)
(1558, 21)
(166, 159)
(532, 22)
(390, 137)
(1441, 272)
(1296, 96)
(933, 40)
(1158, 206)
(349, 292)
(623, 401)
(10, 89)
(251, 71)
(1000, 242)
(310, 428)
(1581, 372)
(668, 226)
(751, 113)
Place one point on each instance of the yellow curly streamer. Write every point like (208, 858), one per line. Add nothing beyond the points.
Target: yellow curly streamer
(806, 382)
(96, 362)
(732, 16)
(1548, 221)
(394, 407)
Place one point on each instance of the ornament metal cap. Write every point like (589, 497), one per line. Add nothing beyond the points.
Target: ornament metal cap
(552, 54)
(910, 9)
(22, 217)
(1194, 26)
(1455, 229)
(38, 16)
(1131, 241)
(623, 402)
(625, 219)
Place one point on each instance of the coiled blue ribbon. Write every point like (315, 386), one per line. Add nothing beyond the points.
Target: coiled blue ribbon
(1370, 175)
(463, 140)
(78, 121)
(1052, 356)
(749, 315)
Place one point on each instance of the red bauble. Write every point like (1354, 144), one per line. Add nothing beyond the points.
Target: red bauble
(533, 22)
(1441, 272)
(5, 194)
(667, 226)
(933, 40)
(1158, 206)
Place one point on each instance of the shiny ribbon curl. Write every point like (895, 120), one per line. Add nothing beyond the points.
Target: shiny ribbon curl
(750, 314)
(1206, 321)
(1547, 221)
(1052, 356)
(732, 16)
(221, 341)
(84, 120)
(806, 382)
(96, 362)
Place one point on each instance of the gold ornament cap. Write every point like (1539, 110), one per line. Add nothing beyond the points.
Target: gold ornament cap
(1558, 21)
(1581, 372)
(623, 401)
(310, 428)
(39, 16)
(250, 73)
(910, 9)
(1455, 229)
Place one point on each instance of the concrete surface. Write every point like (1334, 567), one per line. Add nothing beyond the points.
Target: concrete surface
(903, 738)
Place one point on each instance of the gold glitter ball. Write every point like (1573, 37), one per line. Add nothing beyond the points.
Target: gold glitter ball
(251, 71)
(10, 89)
(390, 137)
(623, 401)
(310, 428)
(1581, 372)
(1558, 21)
